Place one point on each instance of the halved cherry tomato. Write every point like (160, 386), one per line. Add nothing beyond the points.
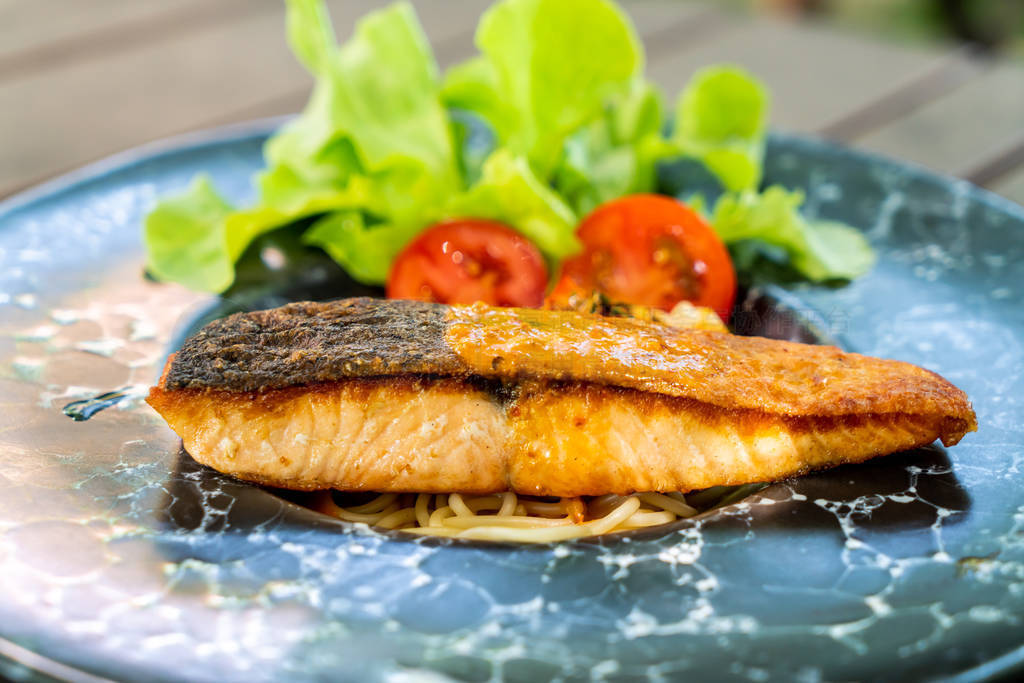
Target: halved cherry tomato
(653, 251)
(468, 260)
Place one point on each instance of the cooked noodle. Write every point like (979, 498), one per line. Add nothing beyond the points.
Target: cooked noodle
(524, 519)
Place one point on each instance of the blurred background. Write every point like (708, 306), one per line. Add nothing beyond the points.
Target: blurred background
(937, 82)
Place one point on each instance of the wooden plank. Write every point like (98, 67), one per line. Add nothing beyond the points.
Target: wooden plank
(963, 130)
(951, 72)
(27, 25)
(1009, 158)
(450, 34)
(53, 31)
(29, 29)
(656, 21)
(86, 110)
(654, 16)
(1010, 186)
(214, 72)
(42, 35)
(815, 74)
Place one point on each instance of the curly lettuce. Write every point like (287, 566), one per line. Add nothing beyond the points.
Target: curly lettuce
(552, 118)
(818, 250)
(186, 240)
(546, 69)
(721, 118)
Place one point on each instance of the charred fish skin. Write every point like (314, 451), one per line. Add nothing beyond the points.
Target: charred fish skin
(308, 343)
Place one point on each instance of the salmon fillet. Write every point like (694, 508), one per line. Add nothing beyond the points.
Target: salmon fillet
(376, 395)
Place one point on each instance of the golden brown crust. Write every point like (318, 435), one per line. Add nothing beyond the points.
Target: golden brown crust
(725, 370)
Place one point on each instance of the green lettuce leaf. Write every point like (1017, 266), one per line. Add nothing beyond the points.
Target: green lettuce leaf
(380, 90)
(310, 34)
(819, 250)
(616, 154)
(384, 88)
(288, 193)
(186, 240)
(510, 192)
(721, 118)
(474, 143)
(375, 138)
(365, 252)
(473, 86)
(507, 191)
(547, 67)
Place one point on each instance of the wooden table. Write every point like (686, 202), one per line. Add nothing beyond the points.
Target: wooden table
(81, 79)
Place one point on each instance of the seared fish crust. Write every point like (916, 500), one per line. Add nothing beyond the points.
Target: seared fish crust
(306, 343)
(367, 394)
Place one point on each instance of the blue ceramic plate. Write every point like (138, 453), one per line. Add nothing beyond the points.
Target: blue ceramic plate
(121, 557)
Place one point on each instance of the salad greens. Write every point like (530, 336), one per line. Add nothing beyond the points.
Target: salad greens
(617, 153)
(720, 119)
(387, 145)
(186, 240)
(546, 69)
(820, 250)
(509, 191)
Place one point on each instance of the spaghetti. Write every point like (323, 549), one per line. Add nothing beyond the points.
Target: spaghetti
(523, 519)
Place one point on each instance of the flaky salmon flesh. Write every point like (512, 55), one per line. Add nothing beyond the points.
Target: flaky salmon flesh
(401, 396)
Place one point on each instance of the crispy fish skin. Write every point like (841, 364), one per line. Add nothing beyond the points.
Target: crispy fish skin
(379, 395)
(306, 343)
(726, 370)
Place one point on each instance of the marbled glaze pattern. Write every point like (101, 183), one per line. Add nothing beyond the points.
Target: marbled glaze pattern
(121, 556)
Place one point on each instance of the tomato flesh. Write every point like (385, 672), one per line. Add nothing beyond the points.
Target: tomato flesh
(650, 250)
(468, 260)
